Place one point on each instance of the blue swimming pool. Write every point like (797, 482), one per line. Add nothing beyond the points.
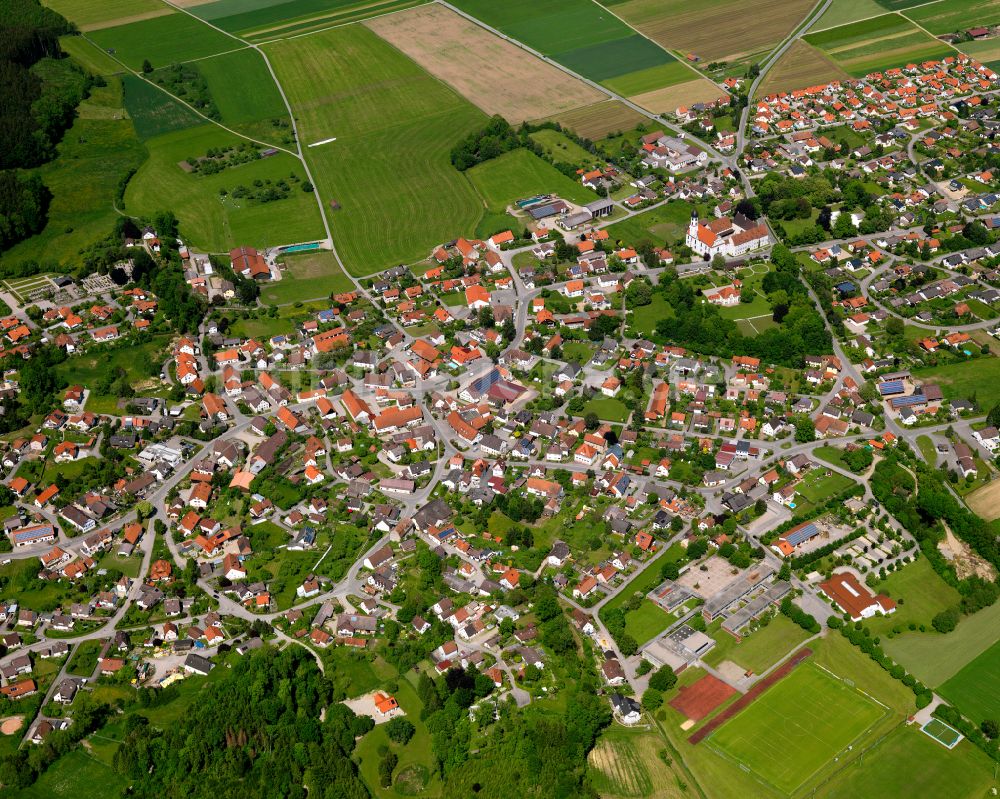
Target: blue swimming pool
(301, 247)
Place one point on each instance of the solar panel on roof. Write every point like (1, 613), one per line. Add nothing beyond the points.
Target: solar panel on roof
(891, 387)
(802, 534)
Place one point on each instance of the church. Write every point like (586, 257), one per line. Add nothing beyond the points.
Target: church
(727, 236)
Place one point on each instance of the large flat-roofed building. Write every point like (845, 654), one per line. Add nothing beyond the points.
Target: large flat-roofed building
(717, 605)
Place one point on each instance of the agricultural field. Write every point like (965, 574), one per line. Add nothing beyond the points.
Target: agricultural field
(955, 15)
(934, 658)
(493, 74)
(209, 220)
(648, 80)
(975, 690)
(887, 770)
(95, 154)
(875, 44)
(89, 56)
(90, 15)
(599, 120)
(580, 34)
(985, 50)
(923, 592)
(306, 277)
(842, 12)
(163, 41)
(985, 501)
(153, 111)
(808, 717)
(979, 377)
(262, 20)
(625, 764)
(669, 99)
(802, 65)
(245, 93)
(389, 170)
(706, 29)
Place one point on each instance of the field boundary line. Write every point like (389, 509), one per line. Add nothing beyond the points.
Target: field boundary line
(874, 16)
(187, 105)
(683, 61)
(343, 25)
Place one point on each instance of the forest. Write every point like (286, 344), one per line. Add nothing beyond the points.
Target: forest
(39, 92)
(257, 734)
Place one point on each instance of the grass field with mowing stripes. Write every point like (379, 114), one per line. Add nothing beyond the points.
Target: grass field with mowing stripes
(797, 727)
(975, 690)
(389, 168)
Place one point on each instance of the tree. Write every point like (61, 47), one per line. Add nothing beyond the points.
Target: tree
(400, 730)
(993, 417)
(946, 621)
(147, 67)
(718, 262)
(894, 327)
(805, 430)
(670, 570)
(652, 699)
(990, 728)
(697, 548)
(591, 420)
(664, 679)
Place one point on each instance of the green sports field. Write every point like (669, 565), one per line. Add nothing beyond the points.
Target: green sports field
(975, 690)
(209, 220)
(389, 168)
(796, 727)
(888, 770)
(163, 40)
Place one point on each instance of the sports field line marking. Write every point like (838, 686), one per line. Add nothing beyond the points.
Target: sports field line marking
(854, 688)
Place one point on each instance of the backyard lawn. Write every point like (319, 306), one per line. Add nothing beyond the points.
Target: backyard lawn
(607, 408)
